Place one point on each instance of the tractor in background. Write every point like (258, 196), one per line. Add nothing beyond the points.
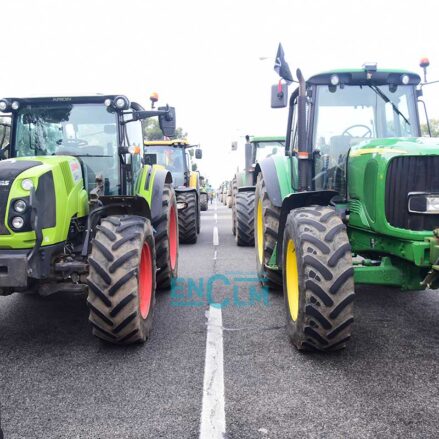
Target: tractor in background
(354, 200)
(174, 155)
(244, 185)
(77, 208)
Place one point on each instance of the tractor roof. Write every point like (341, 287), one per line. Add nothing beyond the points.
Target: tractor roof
(93, 99)
(365, 77)
(268, 139)
(178, 143)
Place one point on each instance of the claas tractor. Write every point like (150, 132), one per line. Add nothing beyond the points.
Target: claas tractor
(244, 185)
(355, 199)
(79, 212)
(175, 156)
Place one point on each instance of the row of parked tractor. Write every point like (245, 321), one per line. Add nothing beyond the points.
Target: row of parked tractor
(87, 205)
(348, 196)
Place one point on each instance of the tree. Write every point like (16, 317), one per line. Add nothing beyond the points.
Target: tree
(152, 131)
(434, 126)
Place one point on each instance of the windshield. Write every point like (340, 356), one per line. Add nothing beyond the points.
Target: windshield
(347, 116)
(268, 149)
(87, 131)
(169, 157)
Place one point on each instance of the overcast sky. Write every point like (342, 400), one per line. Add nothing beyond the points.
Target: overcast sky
(203, 57)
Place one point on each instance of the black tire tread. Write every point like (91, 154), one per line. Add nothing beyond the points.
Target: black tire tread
(187, 218)
(245, 221)
(113, 284)
(327, 289)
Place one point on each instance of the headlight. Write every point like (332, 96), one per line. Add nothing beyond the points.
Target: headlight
(405, 79)
(107, 102)
(15, 105)
(20, 206)
(335, 79)
(3, 105)
(121, 103)
(432, 204)
(27, 184)
(17, 222)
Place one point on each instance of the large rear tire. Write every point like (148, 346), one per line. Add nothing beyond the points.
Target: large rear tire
(245, 221)
(122, 280)
(166, 240)
(318, 279)
(266, 228)
(188, 218)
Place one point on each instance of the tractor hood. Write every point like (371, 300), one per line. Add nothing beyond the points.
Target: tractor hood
(48, 186)
(397, 146)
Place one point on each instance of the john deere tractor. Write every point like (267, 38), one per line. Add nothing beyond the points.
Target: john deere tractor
(355, 199)
(77, 209)
(174, 156)
(244, 185)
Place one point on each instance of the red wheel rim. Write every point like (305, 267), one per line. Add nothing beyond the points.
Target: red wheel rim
(173, 238)
(145, 281)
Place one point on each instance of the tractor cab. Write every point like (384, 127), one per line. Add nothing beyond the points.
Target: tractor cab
(100, 131)
(174, 155)
(267, 147)
(346, 108)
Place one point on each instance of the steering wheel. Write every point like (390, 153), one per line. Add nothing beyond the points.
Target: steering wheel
(367, 134)
(75, 142)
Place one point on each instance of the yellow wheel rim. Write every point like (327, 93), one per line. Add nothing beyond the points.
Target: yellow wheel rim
(260, 226)
(292, 274)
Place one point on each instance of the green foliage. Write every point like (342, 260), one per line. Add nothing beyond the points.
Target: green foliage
(434, 125)
(152, 131)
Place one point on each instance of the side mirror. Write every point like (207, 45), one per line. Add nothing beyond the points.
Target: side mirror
(234, 146)
(167, 122)
(279, 95)
(198, 153)
(150, 159)
(194, 167)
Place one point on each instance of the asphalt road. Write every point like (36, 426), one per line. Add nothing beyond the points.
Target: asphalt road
(57, 381)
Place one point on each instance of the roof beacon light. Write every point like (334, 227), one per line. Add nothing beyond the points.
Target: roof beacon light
(154, 98)
(424, 63)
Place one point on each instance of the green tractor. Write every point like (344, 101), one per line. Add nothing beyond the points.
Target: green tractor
(355, 199)
(174, 155)
(244, 185)
(79, 212)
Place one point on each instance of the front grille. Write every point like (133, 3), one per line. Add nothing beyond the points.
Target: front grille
(405, 175)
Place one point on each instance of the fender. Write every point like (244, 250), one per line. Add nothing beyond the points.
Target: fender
(294, 201)
(161, 177)
(269, 172)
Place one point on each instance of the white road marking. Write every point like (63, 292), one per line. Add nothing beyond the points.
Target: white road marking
(215, 254)
(213, 416)
(215, 236)
(215, 217)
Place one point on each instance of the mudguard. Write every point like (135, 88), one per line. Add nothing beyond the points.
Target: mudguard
(160, 177)
(294, 201)
(276, 171)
